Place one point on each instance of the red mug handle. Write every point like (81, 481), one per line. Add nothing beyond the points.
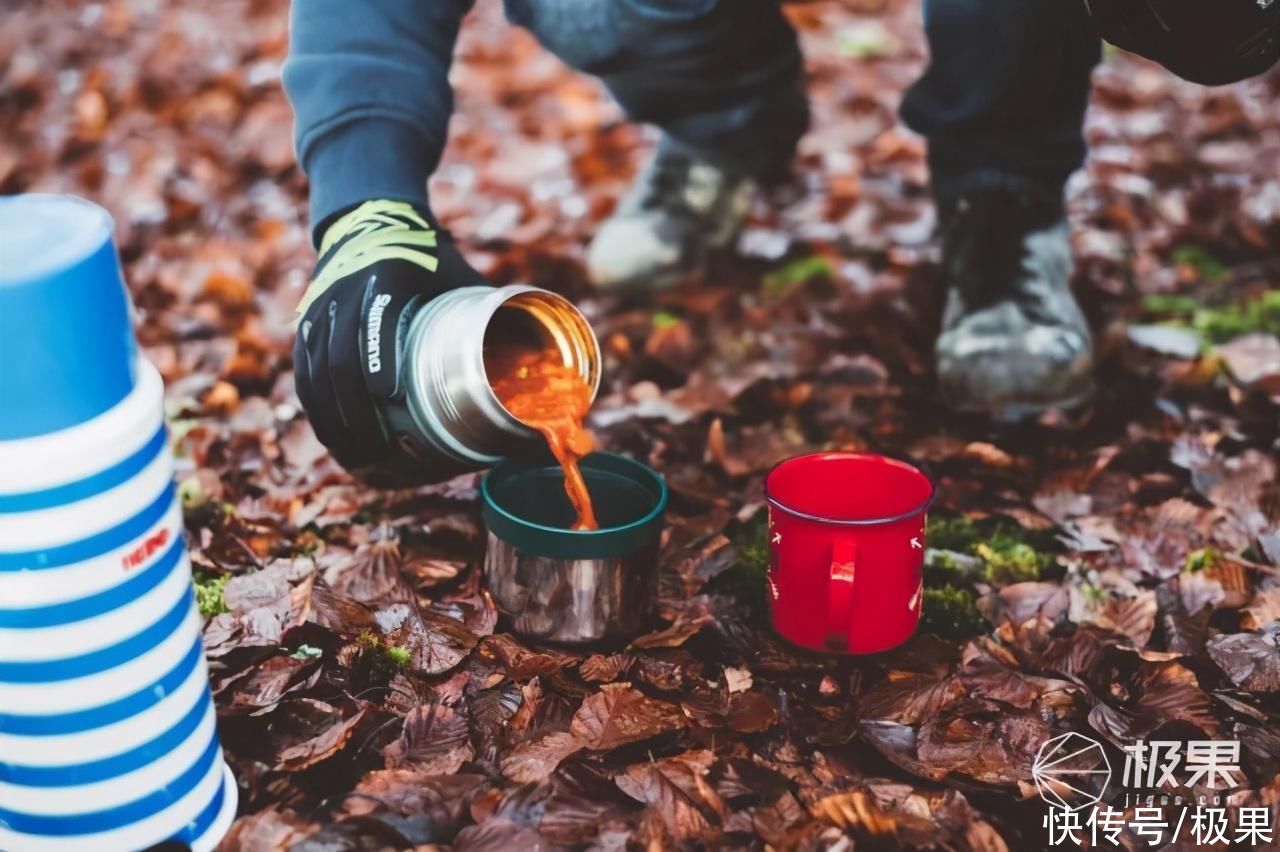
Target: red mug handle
(844, 552)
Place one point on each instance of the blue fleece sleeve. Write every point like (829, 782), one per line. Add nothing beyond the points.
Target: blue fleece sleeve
(369, 85)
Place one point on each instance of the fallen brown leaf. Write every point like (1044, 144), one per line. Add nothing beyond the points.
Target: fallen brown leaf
(434, 740)
(1251, 660)
(326, 745)
(619, 714)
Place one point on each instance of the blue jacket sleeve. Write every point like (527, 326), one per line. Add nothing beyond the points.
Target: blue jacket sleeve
(369, 85)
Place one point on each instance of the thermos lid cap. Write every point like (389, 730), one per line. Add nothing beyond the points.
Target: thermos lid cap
(67, 352)
(41, 235)
(525, 505)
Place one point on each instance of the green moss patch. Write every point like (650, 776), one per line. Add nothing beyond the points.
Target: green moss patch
(745, 579)
(779, 283)
(1218, 324)
(963, 552)
(951, 613)
(999, 553)
(209, 593)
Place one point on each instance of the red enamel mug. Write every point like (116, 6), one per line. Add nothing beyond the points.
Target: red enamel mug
(846, 543)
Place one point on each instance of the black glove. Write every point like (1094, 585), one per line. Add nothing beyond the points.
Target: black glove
(379, 264)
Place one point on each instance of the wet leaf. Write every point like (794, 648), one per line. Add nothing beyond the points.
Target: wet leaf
(603, 669)
(1263, 610)
(1134, 616)
(1254, 361)
(1170, 691)
(269, 830)
(373, 574)
(619, 714)
(687, 624)
(909, 697)
(521, 662)
(677, 791)
(752, 712)
(436, 803)
(435, 644)
(737, 680)
(434, 740)
(265, 685)
(1251, 660)
(536, 759)
(855, 810)
(333, 740)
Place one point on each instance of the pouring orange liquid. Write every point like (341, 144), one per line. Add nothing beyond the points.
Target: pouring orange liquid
(543, 393)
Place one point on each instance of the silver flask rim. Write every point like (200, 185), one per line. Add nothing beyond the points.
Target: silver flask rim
(448, 393)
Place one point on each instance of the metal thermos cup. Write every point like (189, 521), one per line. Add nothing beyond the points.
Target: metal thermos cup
(574, 586)
(448, 418)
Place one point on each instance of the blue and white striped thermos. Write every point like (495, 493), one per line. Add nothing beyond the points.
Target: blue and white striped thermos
(107, 727)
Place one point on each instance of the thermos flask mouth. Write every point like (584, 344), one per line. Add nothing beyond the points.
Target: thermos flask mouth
(448, 391)
(546, 320)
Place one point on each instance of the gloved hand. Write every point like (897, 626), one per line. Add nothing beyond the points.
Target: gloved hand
(379, 264)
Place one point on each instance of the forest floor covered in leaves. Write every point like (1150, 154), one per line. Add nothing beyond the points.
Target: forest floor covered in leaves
(1114, 575)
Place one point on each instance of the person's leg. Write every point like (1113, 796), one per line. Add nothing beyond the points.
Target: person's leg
(722, 79)
(1002, 105)
(1003, 99)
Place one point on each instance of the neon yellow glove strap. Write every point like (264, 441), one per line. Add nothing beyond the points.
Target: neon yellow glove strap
(374, 231)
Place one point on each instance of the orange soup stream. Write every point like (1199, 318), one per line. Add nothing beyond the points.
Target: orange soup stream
(541, 392)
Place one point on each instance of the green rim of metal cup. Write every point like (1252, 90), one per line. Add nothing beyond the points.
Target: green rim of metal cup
(537, 539)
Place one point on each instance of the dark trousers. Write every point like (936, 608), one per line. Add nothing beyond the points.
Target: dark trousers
(1002, 102)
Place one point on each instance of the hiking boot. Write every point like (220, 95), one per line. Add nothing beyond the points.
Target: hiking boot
(677, 212)
(1014, 341)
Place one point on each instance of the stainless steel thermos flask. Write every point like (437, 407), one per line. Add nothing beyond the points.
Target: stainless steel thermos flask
(448, 418)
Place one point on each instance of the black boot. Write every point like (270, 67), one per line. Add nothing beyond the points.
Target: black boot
(1014, 341)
